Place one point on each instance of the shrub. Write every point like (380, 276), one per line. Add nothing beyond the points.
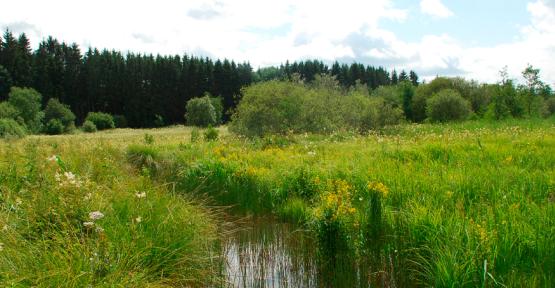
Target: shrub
(195, 135)
(88, 127)
(54, 127)
(158, 121)
(9, 128)
(101, 120)
(204, 111)
(550, 105)
(211, 134)
(27, 102)
(8, 111)
(120, 121)
(57, 111)
(447, 105)
(282, 107)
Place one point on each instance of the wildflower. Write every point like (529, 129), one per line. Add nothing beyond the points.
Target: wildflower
(52, 158)
(140, 195)
(139, 219)
(378, 187)
(88, 224)
(96, 215)
(99, 229)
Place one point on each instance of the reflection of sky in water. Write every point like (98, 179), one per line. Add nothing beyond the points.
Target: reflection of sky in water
(270, 254)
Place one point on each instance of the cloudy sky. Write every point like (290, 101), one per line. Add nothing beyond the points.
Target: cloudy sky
(469, 38)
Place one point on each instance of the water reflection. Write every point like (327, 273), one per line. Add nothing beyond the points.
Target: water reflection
(267, 253)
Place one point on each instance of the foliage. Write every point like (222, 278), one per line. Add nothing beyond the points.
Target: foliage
(281, 107)
(5, 82)
(120, 121)
(447, 105)
(9, 128)
(88, 127)
(93, 222)
(57, 111)
(204, 111)
(211, 134)
(7, 110)
(195, 135)
(27, 101)
(54, 127)
(550, 103)
(101, 120)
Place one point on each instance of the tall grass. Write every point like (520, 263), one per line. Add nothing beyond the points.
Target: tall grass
(460, 205)
(74, 214)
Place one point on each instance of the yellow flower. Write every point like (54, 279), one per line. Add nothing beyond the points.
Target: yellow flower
(378, 187)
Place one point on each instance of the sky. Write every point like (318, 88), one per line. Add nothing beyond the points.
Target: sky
(471, 38)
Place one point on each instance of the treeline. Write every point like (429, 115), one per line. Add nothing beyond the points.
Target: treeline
(346, 75)
(150, 90)
(322, 106)
(142, 88)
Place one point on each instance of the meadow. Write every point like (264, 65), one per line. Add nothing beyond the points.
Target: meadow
(467, 204)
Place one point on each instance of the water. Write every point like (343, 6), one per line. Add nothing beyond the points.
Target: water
(267, 253)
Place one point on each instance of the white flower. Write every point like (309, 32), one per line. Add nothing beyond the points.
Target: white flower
(140, 195)
(58, 177)
(88, 224)
(96, 215)
(99, 229)
(139, 219)
(70, 176)
(52, 158)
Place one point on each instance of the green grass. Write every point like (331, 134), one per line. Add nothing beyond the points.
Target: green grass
(446, 205)
(149, 236)
(464, 204)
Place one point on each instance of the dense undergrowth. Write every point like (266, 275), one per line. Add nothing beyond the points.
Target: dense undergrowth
(445, 205)
(73, 214)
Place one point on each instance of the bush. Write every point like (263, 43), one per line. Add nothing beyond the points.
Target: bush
(54, 127)
(27, 102)
(447, 105)
(211, 134)
(8, 111)
(57, 111)
(9, 128)
(120, 121)
(283, 107)
(550, 105)
(101, 120)
(88, 127)
(204, 111)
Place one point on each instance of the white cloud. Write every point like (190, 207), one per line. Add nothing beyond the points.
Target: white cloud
(435, 8)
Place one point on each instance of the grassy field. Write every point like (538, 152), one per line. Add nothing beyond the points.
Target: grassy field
(457, 205)
(73, 213)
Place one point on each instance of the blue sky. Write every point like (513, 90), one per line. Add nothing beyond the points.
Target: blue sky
(470, 38)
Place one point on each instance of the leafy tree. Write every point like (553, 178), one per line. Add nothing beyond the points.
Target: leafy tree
(532, 90)
(10, 128)
(54, 127)
(447, 105)
(57, 111)
(88, 127)
(27, 101)
(101, 120)
(203, 111)
(8, 111)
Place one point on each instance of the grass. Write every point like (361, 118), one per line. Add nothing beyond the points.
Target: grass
(459, 205)
(446, 205)
(148, 236)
